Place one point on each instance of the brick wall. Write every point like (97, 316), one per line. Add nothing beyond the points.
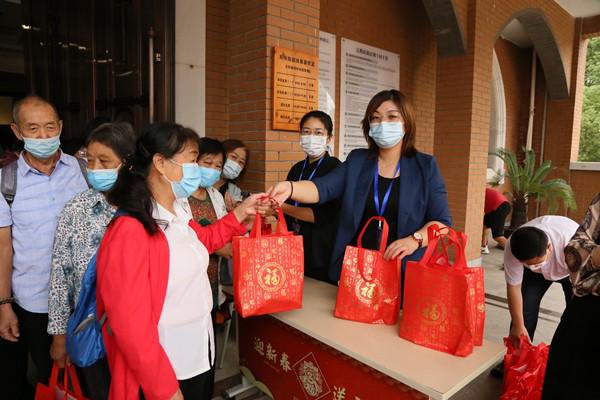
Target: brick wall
(515, 65)
(463, 104)
(292, 24)
(217, 100)
(451, 95)
(591, 27)
(403, 28)
(585, 185)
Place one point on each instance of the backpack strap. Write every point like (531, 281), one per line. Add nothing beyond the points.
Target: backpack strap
(8, 182)
(83, 167)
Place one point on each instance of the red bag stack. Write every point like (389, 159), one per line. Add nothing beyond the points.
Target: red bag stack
(444, 301)
(524, 370)
(55, 391)
(369, 285)
(268, 270)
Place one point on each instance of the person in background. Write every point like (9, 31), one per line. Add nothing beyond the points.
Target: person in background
(47, 180)
(389, 179)
(496, 209)
(10, 146)
(80, 228)
(317, 223)
(152, 281)
(572, 367)
(237, 157)
(534, 259)
(208, 206)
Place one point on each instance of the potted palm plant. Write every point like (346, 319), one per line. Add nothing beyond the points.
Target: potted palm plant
(529, 182)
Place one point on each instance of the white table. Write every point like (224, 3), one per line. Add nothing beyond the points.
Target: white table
(433, 373)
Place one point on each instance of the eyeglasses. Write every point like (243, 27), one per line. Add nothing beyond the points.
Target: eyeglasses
(314, 132)
(391, 116)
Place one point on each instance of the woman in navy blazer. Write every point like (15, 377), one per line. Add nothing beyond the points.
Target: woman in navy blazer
(391, 172)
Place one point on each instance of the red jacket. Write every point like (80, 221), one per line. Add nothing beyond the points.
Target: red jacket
(133, 272)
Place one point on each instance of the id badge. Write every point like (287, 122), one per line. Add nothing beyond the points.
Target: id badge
(379, 234)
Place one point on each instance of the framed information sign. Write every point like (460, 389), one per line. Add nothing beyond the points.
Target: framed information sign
(295, 87)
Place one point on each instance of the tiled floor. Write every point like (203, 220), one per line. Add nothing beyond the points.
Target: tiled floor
(497, 321)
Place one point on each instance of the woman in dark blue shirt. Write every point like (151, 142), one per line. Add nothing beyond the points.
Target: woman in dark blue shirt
(390, 178)
(316, 223)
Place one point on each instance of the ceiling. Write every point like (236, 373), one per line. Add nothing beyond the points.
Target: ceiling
(515, 33)
(581, 8)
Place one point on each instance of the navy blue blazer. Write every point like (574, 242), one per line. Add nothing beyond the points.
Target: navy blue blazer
(423, 198)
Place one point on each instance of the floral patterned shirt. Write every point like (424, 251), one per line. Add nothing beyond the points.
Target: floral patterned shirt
(80, 229)
(584, 275)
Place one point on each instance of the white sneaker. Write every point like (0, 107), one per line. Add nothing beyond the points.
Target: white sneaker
(485, 250)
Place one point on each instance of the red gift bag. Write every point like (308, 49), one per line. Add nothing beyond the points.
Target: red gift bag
(444, 301)
(524, 370)
(55, 391)
(369, 285)
(268, 270)
(474, 275)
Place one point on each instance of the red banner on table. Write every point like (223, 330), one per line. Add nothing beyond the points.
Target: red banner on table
(369, 285)
(444, 301)
(268, 270)
(293, 366)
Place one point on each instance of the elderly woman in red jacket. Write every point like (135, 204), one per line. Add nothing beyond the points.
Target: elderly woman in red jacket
(152, 279)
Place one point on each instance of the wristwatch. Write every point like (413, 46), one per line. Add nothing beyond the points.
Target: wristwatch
(419, 238)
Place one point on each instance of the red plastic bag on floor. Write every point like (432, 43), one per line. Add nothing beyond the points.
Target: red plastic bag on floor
(369, 285)
(268, 270)
(444, 307)
(56, 391)
(524, 370)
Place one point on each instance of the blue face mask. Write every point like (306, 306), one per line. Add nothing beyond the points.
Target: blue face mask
(231, 169)
(210, 176)
(102, 179)
(189, 183)
(387, 134)
(42, 148)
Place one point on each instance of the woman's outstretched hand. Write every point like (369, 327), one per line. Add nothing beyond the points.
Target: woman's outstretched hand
(249, 207)
(280, 192)
(267, 207)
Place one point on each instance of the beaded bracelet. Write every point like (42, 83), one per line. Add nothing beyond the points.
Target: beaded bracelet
(7, 300)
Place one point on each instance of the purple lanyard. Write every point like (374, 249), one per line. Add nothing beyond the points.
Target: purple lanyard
(381, 209)
(311, 175)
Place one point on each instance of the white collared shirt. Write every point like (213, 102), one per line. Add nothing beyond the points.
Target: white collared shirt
(560, 230)
(185, 326)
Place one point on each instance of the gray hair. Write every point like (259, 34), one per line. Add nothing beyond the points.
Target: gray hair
(32, 98)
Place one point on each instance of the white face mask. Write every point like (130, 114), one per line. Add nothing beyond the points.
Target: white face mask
(313, 145)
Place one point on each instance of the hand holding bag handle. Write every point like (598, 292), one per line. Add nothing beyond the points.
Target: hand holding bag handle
(382, 244)
(281, 225)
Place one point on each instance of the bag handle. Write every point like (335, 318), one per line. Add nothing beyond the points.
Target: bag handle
(458, 240)
(281, 229)
(384, 233)
(446, 237)
(70, 373)
(382, 245)
(256, 231)
(433, 233)
(54, 376)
